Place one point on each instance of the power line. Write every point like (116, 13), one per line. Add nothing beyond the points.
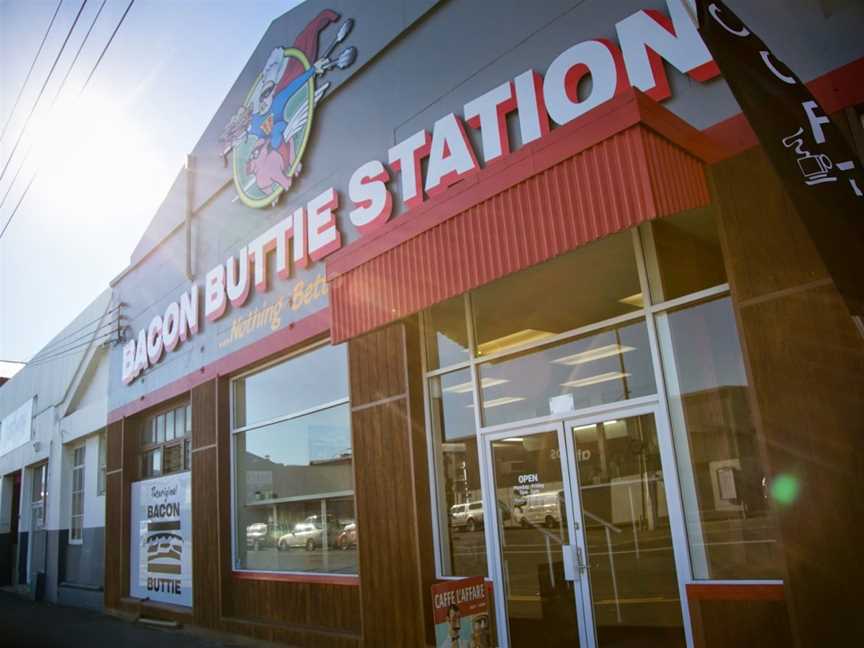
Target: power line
(30, 71)
(108, 327)
(54, 101)
(90, 76)
(71, 351)
(105, 49)
(68, 334)
(111, 326)
(42, 89)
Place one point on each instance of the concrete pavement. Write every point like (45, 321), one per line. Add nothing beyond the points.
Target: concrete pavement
(30, 624)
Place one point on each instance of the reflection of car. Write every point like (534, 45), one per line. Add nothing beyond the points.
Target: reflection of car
(310, 534)
(258, 535)
(347, 538)
(468, 516)
(540, 509)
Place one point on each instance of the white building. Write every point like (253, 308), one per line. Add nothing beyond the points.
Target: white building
(52, 463)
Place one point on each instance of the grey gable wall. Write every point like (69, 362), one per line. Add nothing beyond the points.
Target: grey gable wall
(454, 52)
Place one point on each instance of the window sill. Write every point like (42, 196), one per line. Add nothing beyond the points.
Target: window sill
(295, 577)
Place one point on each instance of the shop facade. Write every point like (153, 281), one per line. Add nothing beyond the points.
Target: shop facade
(52, 462)
(459, 289)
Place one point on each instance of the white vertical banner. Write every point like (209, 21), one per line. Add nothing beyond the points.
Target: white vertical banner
(161, 539)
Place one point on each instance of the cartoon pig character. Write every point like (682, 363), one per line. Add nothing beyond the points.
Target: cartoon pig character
(268, 166)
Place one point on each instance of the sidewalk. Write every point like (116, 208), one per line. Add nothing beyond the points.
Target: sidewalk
(28, 624)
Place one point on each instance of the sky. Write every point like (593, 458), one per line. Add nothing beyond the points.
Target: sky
(101, 160)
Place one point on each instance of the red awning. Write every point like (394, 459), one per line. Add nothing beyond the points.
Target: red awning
(625, 163)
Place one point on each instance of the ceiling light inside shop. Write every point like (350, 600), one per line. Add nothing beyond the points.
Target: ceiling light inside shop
(514, 440)
(464, 388)
(634, 300)
(590, 355)
(514, 339)
(599, 378)
(504, 400)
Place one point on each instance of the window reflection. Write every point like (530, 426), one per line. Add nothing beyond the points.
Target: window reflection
(294, 485)
(299, 384)
(459, 499)
(446, 334)
(295, 491)
(603, 367)
(591, 284)
(731, 529)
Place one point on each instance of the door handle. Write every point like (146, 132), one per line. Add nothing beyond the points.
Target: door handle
(574, 562)
(580, 561)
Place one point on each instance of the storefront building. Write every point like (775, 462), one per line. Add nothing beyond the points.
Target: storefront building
(53, 452)
(454, 289)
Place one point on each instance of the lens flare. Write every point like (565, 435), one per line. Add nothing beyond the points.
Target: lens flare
(785, 489)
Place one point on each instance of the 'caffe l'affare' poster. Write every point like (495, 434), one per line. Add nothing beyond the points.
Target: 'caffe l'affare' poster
(161, 551)
(461, 612)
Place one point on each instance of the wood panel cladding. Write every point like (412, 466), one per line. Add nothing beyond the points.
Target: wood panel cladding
(114, 550)
(376, 364)
(739, 615)
(805, 362)
(205, 505)
(326, 608)
(391, 482)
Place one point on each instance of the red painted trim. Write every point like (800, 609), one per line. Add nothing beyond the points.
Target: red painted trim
(322, 579)
(291, 335)
(735, 592)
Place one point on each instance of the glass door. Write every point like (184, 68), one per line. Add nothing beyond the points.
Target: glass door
(631, 582)
(537, 540)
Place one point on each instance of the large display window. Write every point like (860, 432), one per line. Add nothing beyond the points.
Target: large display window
(293, 468)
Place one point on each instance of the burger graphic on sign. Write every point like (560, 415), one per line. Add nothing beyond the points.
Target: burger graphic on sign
(165, 548)
(268, 134)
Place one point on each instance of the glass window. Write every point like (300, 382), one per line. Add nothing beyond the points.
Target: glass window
(294, 475)
(103, 464)
(446, 334)
(76, 527)
(458, 494)
(169, 426)
(301, 384)
(603, 367)
(165, 443)
(683, 254)
(589, 285)
(731, 529)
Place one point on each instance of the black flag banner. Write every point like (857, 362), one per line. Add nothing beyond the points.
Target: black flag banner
(818, 168)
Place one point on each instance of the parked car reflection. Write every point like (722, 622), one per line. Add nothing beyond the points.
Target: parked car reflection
(347, 538)
(310, 534)
(258, 536)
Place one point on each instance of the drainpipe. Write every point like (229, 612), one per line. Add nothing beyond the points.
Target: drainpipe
(190, 202)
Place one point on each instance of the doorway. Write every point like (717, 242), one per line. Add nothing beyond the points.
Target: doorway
(583, 541)
(10, 504)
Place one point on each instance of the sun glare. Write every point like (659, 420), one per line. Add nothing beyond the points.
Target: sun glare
(93, 157)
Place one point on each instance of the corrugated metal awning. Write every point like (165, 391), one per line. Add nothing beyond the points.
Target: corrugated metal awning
(623, 164)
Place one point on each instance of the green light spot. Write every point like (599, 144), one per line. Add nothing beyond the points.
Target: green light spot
(784, 489)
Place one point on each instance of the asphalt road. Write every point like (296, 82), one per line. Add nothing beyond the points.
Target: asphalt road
(28, 624)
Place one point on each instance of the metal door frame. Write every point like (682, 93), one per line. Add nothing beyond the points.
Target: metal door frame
(493, 533)
(570, 476)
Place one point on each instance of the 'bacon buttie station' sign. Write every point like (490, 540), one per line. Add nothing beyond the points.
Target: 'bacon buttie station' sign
(310, 233)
